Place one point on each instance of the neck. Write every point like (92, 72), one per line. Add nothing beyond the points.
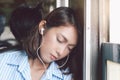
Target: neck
(36, 64)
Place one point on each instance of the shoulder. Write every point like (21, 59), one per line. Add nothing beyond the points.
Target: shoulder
(12, 55)
(13, 64)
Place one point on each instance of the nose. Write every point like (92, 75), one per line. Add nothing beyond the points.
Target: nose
(60, 50)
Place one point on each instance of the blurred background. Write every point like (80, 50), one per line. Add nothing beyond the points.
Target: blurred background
(7, 6)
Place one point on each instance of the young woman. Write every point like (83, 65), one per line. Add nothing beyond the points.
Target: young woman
(48, 52)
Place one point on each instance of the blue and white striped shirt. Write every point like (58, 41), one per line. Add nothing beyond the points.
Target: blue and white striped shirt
(14, 66)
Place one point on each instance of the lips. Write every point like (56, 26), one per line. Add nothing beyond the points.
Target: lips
(53, 57)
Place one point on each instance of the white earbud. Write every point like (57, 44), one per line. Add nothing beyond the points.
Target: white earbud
(42, 30)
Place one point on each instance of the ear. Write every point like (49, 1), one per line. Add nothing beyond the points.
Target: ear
(42, 26)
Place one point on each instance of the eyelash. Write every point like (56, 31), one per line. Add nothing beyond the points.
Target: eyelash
(60, 41)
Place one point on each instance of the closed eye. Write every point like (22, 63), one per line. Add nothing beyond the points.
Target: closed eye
(60, 39)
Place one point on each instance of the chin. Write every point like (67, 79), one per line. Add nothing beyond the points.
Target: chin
(47, 61)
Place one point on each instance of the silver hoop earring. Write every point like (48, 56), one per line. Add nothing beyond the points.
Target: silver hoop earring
(40, 57)
(64, 62)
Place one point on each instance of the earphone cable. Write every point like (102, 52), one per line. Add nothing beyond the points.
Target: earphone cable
(64, 62)
(38, 54)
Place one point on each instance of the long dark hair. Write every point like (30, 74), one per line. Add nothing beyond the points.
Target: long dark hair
(58, 17)
(23, 19)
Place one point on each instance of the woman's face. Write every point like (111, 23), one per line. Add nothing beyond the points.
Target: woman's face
(58, 42)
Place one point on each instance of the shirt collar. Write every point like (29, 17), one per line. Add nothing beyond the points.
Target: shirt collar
(53, 70)
(18, 58)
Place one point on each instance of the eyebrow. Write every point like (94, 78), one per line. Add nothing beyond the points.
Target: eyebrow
(67, 40)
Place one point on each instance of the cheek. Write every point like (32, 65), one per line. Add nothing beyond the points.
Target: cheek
(49, 43)
(64, 54)
(49, 40)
